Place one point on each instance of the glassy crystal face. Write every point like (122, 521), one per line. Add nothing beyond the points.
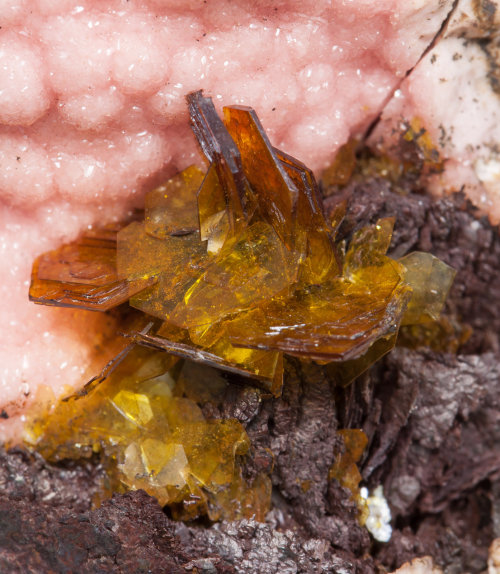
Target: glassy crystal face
(233, 267)
(239, 264)
(154, 437)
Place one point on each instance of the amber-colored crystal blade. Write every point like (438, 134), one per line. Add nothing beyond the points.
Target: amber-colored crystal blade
(345, 469)
(83, 274)
(86, 261)
(305, 182)
(321, 260)
(220, 149)
(102, 298)
(265, 367)
(276, 192)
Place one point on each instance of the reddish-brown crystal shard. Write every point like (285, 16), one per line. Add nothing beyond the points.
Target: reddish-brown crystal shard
(288, 196)
(83, 274)
(220, 150)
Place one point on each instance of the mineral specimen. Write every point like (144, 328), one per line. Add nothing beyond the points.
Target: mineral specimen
(254, 273)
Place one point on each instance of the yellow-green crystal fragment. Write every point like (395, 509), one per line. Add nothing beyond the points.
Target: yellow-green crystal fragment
(430, 280)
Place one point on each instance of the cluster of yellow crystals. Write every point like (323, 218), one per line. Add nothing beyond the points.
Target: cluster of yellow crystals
(239, 265)
(157, 439)
(233, 268)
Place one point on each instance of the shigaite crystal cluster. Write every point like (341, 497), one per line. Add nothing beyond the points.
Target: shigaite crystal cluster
(233, 268)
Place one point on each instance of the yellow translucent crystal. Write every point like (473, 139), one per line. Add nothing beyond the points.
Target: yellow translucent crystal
(254, 269)
(170, 209)
(153, 438)
(212, 212)
(447, 335)
(157, 463)
(430, 280)
(134, 406)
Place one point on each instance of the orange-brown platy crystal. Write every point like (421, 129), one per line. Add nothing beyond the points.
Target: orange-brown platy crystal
(338, 320)
(83, 274)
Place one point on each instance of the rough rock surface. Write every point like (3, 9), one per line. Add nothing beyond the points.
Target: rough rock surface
(127, 534)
